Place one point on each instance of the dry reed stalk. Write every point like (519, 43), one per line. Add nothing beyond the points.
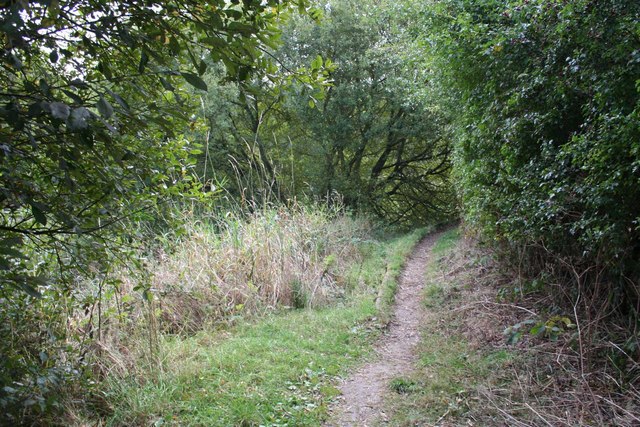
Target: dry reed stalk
(244, 265)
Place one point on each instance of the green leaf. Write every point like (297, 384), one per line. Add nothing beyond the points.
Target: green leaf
(105, 109)
(214, 42)
(316, 64)
(538, 329)
(29, 284)
(13, 253)
(144, 60)
(568, 323)
(104, 68)
(10, 241)
(26, 287)
(195, 81)
(241, 28)
(202, 68)
(78, 83)
(14, 61)
(165, 84)
(514, 338)
(73, 96)
(38, 214)
(119, 100)
(243, 73)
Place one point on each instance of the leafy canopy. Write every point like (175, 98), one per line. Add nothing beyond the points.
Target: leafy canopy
(96, 98)
(93, 104)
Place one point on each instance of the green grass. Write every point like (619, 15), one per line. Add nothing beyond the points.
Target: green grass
(434, 295)
(448, 371)
(278, 370)
(447, 241)
(393, 259)
(267, 373)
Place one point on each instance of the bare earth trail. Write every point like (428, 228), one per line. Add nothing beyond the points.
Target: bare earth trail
(363, 392)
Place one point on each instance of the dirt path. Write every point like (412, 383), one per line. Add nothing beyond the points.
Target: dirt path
(362, 393)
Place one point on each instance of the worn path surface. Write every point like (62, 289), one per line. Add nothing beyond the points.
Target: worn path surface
(362, 394)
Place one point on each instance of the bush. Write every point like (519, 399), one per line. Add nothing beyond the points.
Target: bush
(547, 106)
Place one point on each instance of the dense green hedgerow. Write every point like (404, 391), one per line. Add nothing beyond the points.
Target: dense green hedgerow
(546, 95)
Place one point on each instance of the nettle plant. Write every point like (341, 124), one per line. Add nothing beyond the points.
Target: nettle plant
(550, 329)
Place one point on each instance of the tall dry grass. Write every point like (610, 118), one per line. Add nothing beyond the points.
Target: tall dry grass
(285, 257)
(220, 269)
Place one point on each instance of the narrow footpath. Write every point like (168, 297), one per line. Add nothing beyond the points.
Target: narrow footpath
(363, 392)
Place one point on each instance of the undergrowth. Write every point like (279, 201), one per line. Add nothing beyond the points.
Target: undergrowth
(473, 372)
(221, 270)
(212, 272)
(256, 357)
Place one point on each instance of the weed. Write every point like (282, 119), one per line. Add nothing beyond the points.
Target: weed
(434, 295)
(405, 386)
(447, 241)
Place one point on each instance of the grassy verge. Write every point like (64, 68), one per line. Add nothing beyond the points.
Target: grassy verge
(278, 370)
(483, 363)
(451, 368)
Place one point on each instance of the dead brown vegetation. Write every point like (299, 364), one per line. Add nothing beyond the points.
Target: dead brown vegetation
(576, 375)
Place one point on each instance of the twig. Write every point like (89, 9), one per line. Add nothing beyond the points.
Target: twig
(575, 314)
(631, 359)
(538, 414)
(509, 417)
(442, 417)
(611, 402)
(464, 307)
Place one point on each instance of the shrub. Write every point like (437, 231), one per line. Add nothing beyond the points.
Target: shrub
(547, 105)
(212, 270)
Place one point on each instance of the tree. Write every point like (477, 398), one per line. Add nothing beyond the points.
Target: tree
(242, 119)
(95, 100)
(375, 137)
(93, 97)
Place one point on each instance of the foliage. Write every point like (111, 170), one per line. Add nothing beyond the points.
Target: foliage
(551, 328)
(95, 103)
(546, 101)
(93, 99)
(250, 131)
(373, 136)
